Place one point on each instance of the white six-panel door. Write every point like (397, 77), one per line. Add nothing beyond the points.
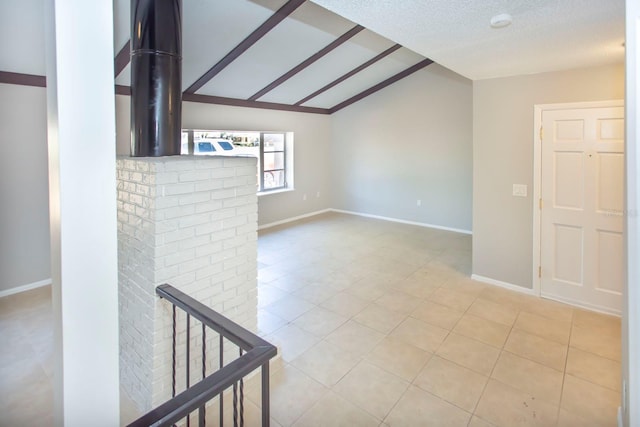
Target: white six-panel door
(581, 218)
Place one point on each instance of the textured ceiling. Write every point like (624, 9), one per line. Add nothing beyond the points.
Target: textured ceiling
(546, 35)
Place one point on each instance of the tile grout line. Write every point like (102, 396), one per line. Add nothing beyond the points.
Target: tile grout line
(564, 372)
(489, 377)
(435, 354)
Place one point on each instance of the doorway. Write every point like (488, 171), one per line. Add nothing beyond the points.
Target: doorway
(578, 217)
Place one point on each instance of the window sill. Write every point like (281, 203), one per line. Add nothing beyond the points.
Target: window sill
(282, 190)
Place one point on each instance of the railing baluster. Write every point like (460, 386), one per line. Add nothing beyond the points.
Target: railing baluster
(188, 358)
(220, 364)
(241, 398)
(235, 404)
(173, 380)
(203, 409)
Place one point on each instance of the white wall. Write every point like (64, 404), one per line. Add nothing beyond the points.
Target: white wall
(24, 189)
(312, 136)
(199, 235)
(410, 141)
(503, 120)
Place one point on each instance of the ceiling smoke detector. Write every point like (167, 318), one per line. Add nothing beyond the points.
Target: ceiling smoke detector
(500, 21)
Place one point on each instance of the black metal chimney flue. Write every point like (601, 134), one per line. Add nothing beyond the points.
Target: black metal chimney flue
(156, 77)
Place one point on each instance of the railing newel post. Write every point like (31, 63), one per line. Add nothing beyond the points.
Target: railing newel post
(266, 416)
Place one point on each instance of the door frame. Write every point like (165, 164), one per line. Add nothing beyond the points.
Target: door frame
(539, 109)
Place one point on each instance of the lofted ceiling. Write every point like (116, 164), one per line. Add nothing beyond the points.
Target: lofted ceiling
(307, 49)
(297, 55)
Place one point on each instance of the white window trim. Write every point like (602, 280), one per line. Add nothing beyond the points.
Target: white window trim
(278, 191)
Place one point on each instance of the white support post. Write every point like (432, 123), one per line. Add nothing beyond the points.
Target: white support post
(82, 198)
(630, 409)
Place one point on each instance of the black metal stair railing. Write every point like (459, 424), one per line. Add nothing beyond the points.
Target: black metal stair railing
(254, 352)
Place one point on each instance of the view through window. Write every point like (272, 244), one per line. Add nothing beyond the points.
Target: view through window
(270, 148)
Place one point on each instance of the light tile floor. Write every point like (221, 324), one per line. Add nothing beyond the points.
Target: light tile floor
(26, 368)
(26, 362)
(379, 324)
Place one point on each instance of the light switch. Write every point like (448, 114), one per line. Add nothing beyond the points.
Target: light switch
(520, 190)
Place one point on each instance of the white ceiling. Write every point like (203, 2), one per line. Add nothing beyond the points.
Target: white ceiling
(546, 35)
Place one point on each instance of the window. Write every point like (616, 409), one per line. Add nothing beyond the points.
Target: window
(272, 161)
(272, 149)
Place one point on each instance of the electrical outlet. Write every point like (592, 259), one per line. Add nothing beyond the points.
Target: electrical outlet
(304, 197)
(520, 190)
(418, 202)
(318, 194)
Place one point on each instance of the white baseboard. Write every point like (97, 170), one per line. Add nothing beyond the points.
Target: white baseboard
(620, 422)
(586, 306)
(295, 218)
(402, 221)
(25, 288)
(504, 285)
(384, 218)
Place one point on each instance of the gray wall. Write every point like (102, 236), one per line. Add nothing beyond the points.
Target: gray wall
(311, 150)
(503, 135)
(410, 141)
(24, 189)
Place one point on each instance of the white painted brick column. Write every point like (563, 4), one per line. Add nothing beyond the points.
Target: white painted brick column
(190, 222)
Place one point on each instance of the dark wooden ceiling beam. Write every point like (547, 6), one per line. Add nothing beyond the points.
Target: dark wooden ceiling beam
(304, 64)
(350, 73)
(122, 58)
(41, 81)
(420, 65)
(22, 79)
(123, 90)
(234, 102)
(207, 99)
(263, 29)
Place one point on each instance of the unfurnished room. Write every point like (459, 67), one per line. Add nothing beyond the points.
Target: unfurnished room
(319, 213)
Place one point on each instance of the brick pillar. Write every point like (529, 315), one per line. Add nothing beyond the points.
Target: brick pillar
(190, 222)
